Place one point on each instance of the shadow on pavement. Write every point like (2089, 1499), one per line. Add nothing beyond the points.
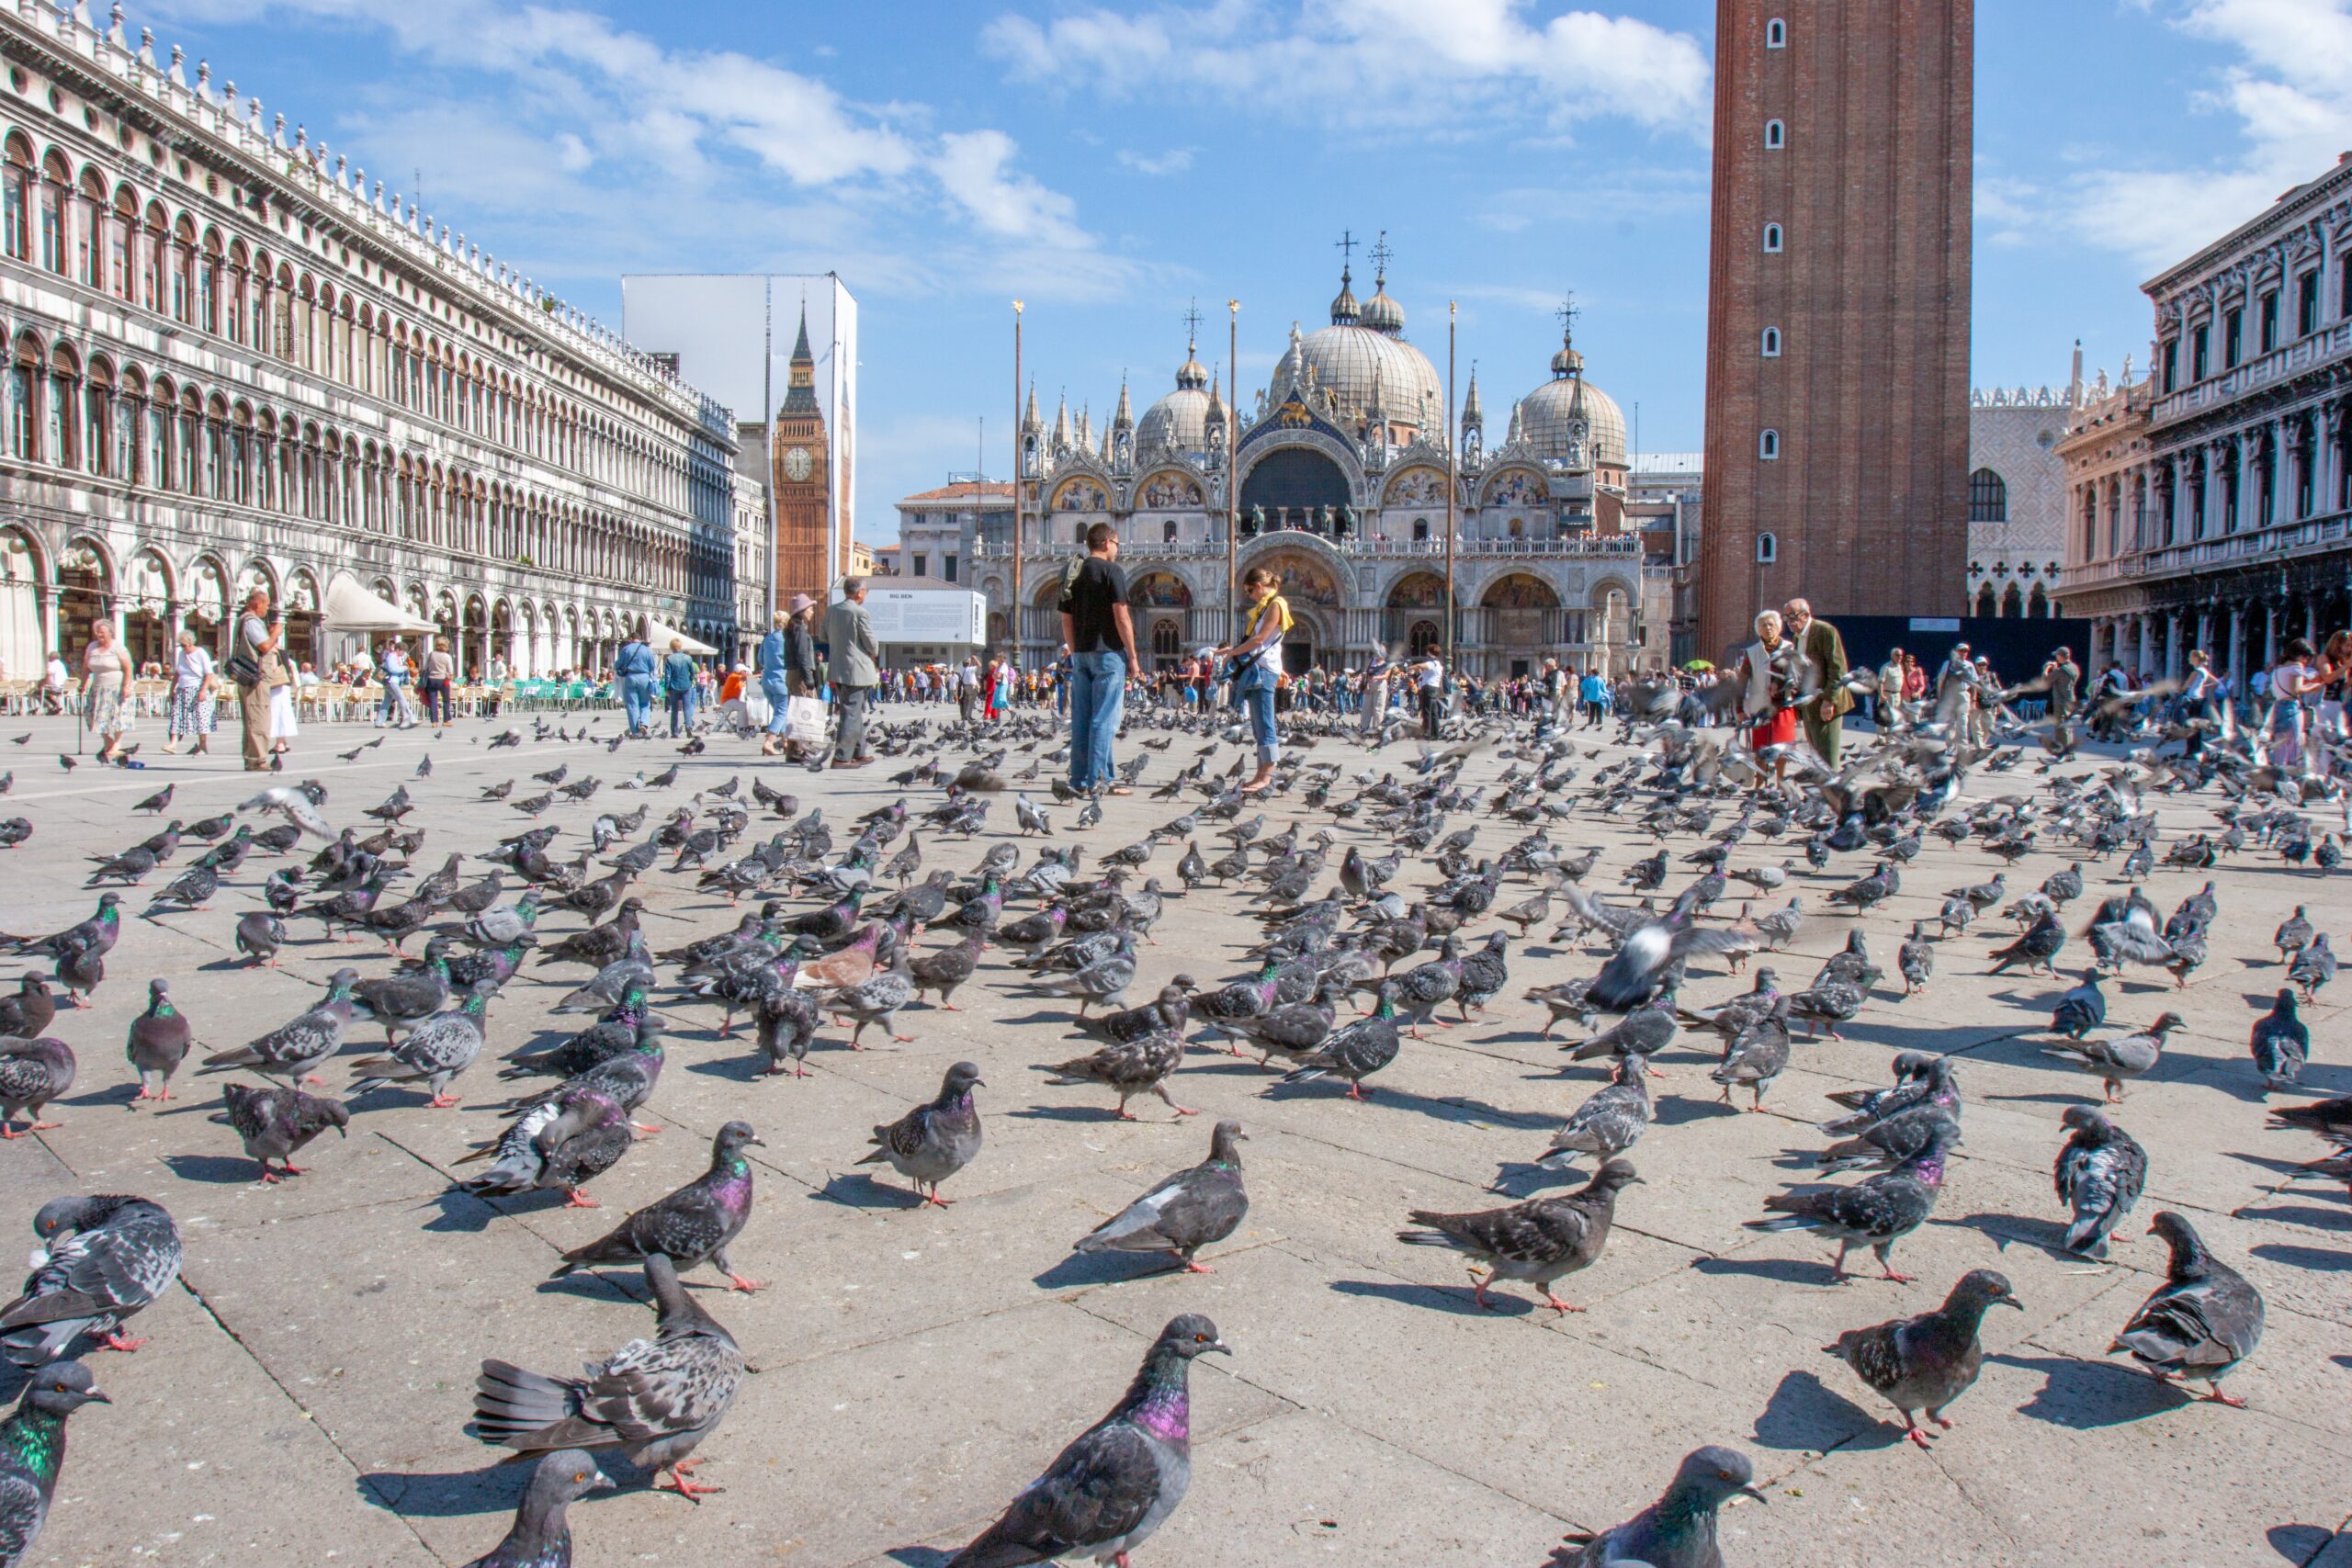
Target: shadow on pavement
(1807, 1414)
(2087, 1395)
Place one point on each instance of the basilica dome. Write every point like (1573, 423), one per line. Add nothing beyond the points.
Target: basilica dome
(1570, 421)
(1346, 358)
(1180, 419)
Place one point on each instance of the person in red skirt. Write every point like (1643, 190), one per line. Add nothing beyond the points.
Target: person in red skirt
(1768, 674)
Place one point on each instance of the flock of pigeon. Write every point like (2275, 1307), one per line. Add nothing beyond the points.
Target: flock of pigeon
(844, 925)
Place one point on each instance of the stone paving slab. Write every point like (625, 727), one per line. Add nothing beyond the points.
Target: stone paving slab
(920, 1365)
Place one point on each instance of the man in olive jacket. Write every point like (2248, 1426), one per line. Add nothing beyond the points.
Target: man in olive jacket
(853, 658)
(1823, 653)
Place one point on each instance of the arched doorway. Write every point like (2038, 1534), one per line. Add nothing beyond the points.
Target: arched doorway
(85, 589)
(147, 611)
(207, 602)
(1293, 484)
(1412, 616)
(1521, 616)
(1161, 606)
(1313, 593)
(20, 633)
(303, 620)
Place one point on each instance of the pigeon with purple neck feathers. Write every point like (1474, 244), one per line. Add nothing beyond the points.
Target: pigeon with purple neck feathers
(276, 1122)
(692, 1225)
(1878, 1212)
(933, 1141)
(1104, 1495)
(1926, 1362)
(2201, 1322)
(1679, 1529)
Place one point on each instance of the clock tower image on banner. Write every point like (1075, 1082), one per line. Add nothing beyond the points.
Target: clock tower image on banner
(802, 482)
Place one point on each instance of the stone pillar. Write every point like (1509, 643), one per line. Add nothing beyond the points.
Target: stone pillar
(2283, 498)
(2237, 646)
(2311, 618)
(2172, 645)
(2270, 635)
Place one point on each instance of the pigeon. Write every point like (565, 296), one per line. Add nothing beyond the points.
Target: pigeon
(32, 1072)
(1757, 1057)
(1536, 1241)
(2294, 934)
(103, 1258)
(32, 1452)
(159, 1040)
(1129, 1069)
(933, 1142)
(541, 1536)
(1679, 1529)
(1104, 1495)
(404, 1000)
(2099, 1173)
(29, 1013)
(691, 1227)
(2313, 967)
(1879, 1211)
(2035, 948)
(2115, 1061)
(1186, 1212)
(1357, 1052)
(436, 1050)
(1610, 1121)
(259, 935)
(275, 1122)
(2201, 1322)
(559, 1146)
(2280, 1044)
(2080, 1010)
(655, 1400)
(292, 1049)
(1928, 1361)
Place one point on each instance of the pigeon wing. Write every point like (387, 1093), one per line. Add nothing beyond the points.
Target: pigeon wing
(1097, 1490)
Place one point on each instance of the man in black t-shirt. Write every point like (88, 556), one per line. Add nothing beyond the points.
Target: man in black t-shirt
(1102, 639)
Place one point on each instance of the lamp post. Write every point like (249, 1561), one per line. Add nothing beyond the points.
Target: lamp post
(1453, 482)
(1232, 461)
(1012, 593)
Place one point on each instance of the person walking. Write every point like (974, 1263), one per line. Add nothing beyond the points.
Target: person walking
(1771, 669)
(774, 680)
(1100, 633)
(678, 687)
(1823, 653)
(106, 689)
(194, 696)
(1592, 695)
(633, 673)
(392, 663)
(2065, 679)
(1427, 676)
(435, 681)
(258, 633)
(1062, 667)
(1886, 707)
(1257, 668)
(1373, 714)
(854, 659)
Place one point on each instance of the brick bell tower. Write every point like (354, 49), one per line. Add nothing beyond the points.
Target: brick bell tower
(1838, 312)
(800, 463)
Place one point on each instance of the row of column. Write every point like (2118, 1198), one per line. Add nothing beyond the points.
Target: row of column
(2274, 481)
(2154, 645)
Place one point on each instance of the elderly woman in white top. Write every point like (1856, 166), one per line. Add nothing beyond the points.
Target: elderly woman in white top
(195, 698)
(106, 688)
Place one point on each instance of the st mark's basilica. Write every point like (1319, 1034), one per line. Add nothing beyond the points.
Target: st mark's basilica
(1342, 467)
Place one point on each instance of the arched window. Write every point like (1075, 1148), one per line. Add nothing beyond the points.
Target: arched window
(1772, 239)
(1984, 602)
(1776, 135)
(1167, 641)
(1768, 550)
(52, 197)
(1078, 534)
(1421, 528)
(2038, 604)
(1768, 446)
(1168, 531)
(1776, 34)
(15, 197)
(2013, 604)
(1771, 342)
(1988, 497)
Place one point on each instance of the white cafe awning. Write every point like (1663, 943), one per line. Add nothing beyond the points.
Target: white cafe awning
(351, 608)
(657, 638)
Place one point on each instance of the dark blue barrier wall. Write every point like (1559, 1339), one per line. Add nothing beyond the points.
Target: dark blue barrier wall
(2018, 647)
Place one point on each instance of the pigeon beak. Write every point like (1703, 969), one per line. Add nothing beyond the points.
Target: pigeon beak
(1752, 1492)
(97, 1396)
(601, 1479)
(979, 1083)
(2012, 1300)
(757, 1143)
(1220, 1348)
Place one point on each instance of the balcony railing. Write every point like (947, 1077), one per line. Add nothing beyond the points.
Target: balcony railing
(2286, 360)
(1593, 546)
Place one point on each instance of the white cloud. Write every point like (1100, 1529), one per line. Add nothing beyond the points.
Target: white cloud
(2290, 87)
(1376, 65)
(573, 91)
(1175, 160)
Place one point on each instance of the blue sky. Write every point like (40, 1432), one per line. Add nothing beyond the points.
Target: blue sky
(1109, 165)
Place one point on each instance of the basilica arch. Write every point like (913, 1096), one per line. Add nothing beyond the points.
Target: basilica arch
(1294, 482)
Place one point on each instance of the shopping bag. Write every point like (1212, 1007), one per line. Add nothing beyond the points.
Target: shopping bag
(756, 708)
(804, 720)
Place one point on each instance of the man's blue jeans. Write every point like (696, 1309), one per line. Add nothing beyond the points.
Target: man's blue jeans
(1098, 694)
(637, 700)
(681, 711)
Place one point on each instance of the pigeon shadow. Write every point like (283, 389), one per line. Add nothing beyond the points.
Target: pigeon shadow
(2299, 1544)
(856, 1190)
(2087, 1395)
(1675, 1110)
(2264, 1162)
(1517, 1180)
(1807, 1414)
(2317, 1259)
(495, 1488)
(2295, 1214)
(920, 1556)
(734, 1069)
(220, 1171)
(462, 1211)
(2002, 1229)
(1454, 1299)
(1788, 1270)
(1104, 1269)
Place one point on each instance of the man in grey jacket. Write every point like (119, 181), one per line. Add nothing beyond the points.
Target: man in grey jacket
(855, 662)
